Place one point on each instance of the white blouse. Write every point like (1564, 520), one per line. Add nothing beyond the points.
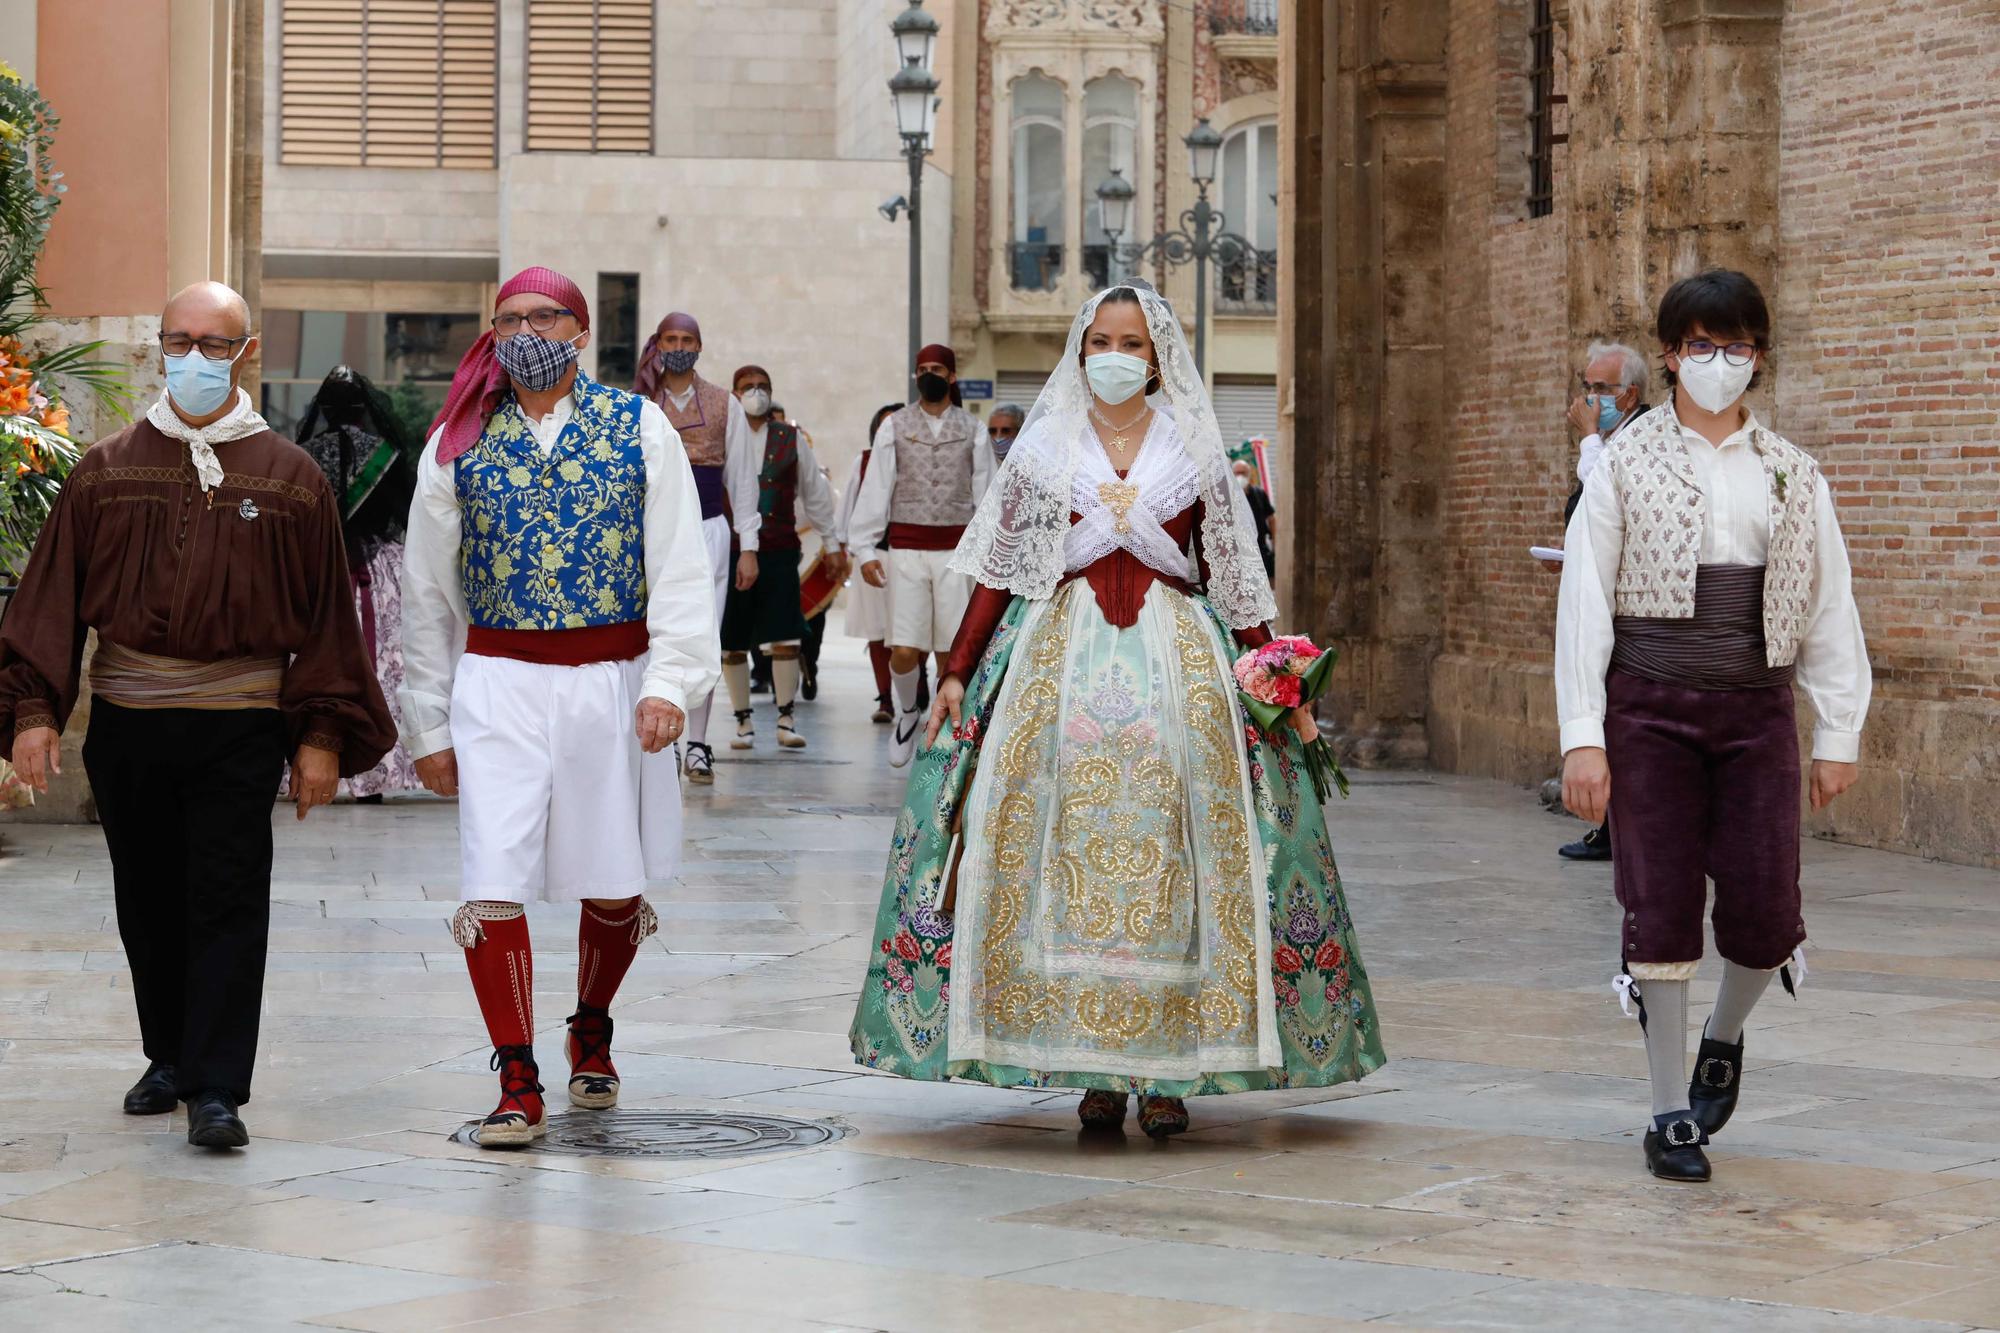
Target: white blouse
(1832, 665)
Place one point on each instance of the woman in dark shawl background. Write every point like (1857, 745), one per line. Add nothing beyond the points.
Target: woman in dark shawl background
(369, 455)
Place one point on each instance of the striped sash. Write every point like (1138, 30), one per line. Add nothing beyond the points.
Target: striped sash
(1720, 648)
(132, 679)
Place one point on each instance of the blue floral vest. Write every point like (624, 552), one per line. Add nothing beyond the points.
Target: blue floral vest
(556, 542)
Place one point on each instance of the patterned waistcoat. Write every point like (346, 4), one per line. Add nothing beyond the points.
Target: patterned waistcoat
(1665, 511)
(556, 542)
(704, 427)
(933, 477)
(778, 488)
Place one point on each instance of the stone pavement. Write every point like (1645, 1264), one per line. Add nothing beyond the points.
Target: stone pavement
(1489, 1177)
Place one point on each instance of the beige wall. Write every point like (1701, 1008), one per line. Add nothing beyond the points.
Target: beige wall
(785, 263)
(100, 66)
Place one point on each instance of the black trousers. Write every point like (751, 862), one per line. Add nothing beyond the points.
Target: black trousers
(185, 799)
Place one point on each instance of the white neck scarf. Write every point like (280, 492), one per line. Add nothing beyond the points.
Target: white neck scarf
(241, 420)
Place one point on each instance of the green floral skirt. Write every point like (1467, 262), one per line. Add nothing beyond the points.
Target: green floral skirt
(1146, 897)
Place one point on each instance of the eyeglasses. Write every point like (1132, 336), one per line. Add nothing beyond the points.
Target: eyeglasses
(542, 320)
(215, 349)
(1598, 388)
(1701, 351)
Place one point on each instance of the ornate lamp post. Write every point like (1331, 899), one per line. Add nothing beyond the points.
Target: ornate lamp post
(1199, 239)
(914, 91)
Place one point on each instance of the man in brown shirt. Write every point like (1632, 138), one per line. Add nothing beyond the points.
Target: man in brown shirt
(206, 551)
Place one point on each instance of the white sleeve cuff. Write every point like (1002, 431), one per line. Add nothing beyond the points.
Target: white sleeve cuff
(665, 687)
(427, 743)
(1837, 747)
(1583, 733)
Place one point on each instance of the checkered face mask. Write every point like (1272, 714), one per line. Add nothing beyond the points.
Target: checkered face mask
(534, 363)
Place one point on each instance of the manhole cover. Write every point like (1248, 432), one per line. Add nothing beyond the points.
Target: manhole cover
(703, 1134)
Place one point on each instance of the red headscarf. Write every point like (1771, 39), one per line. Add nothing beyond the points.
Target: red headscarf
(944, 356)
(741, 371)
(650, 374)
(478, 385)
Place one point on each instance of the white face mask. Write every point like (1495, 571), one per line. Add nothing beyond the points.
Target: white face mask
(757, 402)
(1116, 377)
(1715, 385)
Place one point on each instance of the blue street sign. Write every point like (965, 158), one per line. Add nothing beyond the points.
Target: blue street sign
(977, 390)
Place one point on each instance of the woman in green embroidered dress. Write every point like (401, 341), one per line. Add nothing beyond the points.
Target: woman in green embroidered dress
(1102, 878)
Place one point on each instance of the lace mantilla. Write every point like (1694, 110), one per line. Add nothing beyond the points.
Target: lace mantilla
(1019, 538)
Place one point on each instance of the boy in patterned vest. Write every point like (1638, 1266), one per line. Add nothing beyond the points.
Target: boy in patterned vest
(768, 615)
(716, 435)
(556, 537)
(1705, 574)
(928, 470)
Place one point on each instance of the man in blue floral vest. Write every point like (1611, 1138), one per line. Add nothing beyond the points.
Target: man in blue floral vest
(556, 539)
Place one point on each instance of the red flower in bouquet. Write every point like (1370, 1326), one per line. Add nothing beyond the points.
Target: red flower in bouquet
(906, 947)
(1286, 959)
(1328, 957)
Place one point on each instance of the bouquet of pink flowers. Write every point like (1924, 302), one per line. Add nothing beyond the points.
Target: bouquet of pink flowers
(1287, 673)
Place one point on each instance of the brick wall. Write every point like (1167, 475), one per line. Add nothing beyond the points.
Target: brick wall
(1889, 372)
(1507, 358)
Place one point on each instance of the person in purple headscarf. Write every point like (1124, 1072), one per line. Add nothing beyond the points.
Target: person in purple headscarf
(727, 461)
(556, 538)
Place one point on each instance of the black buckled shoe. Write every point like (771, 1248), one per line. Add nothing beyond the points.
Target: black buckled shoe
(213, 1122)
(1718, 1077)
(154, 1093)
(1592, 846)
(1673, 1148)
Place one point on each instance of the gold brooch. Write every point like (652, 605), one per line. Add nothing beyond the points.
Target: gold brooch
(1118, 497)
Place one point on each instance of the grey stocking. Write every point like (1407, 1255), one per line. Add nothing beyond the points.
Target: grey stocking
(1666, 1043)
(1741, 988)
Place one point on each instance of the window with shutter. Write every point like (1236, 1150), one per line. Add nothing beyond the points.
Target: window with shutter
(590, 76)
(388, 83)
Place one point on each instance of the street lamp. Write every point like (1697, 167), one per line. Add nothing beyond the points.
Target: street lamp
(913, 89)
(1200, 238)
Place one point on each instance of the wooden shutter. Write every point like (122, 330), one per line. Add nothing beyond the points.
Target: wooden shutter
(590, 76)
(388, 83)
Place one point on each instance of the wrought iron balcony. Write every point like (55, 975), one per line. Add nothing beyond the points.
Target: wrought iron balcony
(1256, 18)
(1034, 266)
(1249, 286)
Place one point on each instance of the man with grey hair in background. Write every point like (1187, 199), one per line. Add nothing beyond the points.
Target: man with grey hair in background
(1003, 423)
(1612, 395)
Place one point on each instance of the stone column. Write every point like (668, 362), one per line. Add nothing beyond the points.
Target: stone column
(1369, 422)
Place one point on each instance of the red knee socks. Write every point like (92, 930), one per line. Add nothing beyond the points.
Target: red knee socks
(606, 944)
(501, 962)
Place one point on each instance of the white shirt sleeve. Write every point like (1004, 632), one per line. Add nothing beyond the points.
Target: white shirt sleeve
(871, 507)
(1833, 665)
(434, 614)
(1588, 455)
(844, 513)
(1584, 608)
(816, 495)
(982, 465)
(684, 651)
(742, 469)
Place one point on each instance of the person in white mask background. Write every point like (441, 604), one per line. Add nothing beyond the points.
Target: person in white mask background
(929, 469)
(1705, 574)
(1612, 395)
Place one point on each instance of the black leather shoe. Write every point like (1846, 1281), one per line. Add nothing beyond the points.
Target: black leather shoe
(213, 1122)
(1673, 1149)
(1592, 846)
(153, 1094)
(1718, 1077)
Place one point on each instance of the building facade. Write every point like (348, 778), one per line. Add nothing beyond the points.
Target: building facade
(162, 181)
(724, 159)
(1058, 94)
(1480, 187)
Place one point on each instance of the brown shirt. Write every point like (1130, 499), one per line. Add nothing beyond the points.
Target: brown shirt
(256, 567)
